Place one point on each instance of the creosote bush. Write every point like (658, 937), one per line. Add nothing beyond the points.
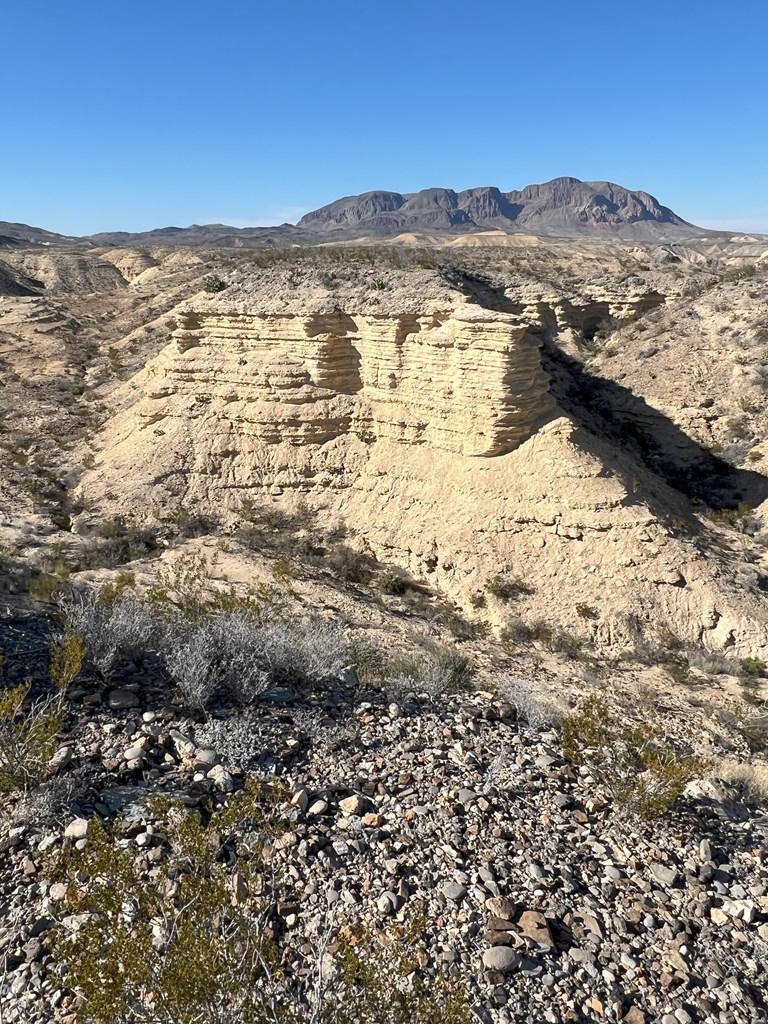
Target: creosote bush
(642, 768)
(754, 667)
(506, 588)
(391, 582)
(27, 737)
(194, 940)
(28, 726)
(213, 283)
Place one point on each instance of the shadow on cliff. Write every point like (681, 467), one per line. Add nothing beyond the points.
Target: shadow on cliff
(609, 410)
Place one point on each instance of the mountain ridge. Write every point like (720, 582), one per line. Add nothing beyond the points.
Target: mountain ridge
(562, 207)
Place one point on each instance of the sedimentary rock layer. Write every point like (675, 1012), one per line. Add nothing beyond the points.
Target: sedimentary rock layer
(468, 381)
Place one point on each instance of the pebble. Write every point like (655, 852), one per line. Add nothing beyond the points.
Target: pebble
(535, 894)
(120, 699)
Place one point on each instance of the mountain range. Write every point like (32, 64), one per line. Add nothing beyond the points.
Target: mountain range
(563, 207)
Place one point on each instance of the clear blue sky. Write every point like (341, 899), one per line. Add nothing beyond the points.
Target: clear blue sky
(143, 114)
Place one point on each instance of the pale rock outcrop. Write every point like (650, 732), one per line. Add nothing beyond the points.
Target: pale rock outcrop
(468, 380)
(426, 424)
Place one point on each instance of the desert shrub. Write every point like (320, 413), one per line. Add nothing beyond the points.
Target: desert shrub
(285, 570)
(213, 283)
(642, 768)
(349, 565)
(239, 739)
(431, 674)
(380, 980)
(220, 658)
(116, 542)
(713, 664)
(66, 659)
(528, 707)
(369, 660)
(516, 632)
(586, 611)
(739, 518)
(192, 940)
(391, 582)
(754, 667)
(188, 523)
(668, 640)
(679, 671)
(505, 588)
(230, 658)
(28, 726)
(124, 626)
(752, 779)
(50, 803)
(166, 949)
(27, 737)
(304, 652)
(557, 640)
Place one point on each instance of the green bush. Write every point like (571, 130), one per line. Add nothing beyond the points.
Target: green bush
(213, 283)
(391, 582)
(192, 939)
(643, 770)
(754, 667)
(506, 588)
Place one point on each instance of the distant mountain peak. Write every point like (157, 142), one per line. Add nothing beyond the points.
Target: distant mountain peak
(563, 206)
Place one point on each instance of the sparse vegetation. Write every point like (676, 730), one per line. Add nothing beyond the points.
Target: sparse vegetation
(507, 588)
(213, 283)
(755, 668)
(643, 769)
(195, 937)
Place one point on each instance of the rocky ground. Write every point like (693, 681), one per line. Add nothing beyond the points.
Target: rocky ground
(538, 894)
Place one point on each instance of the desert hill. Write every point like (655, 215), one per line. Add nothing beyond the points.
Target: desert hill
(385, 392)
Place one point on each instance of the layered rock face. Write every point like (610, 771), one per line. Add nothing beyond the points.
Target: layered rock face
(423, 420)
(467, 381)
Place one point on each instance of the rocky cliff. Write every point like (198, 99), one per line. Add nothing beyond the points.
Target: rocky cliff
(425, 422)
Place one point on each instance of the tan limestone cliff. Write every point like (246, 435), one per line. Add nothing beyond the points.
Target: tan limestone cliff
(429, 430)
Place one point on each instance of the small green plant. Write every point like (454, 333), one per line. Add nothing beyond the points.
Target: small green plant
(27, 741)
(192, 939)
(67, 657)
(213, 283)
(505, 588)
(644, 771)
(756, 668)
(586, 611)
(391, 582)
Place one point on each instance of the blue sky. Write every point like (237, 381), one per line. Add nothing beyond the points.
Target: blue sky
(139, 115)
